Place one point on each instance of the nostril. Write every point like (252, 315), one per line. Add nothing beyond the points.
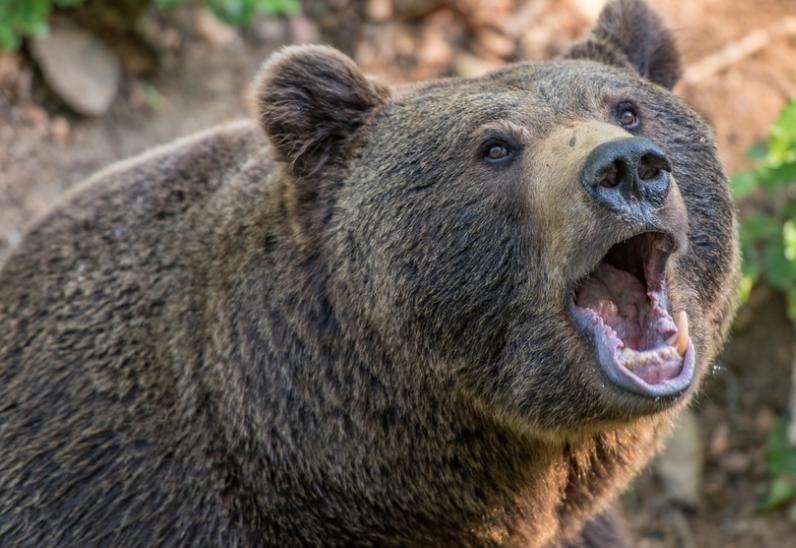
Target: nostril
(613, 174)
(650, 166)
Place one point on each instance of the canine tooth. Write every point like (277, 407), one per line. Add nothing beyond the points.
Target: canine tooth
(681, 342)
(670, 340)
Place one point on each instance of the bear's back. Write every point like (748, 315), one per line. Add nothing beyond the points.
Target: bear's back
(99, 424)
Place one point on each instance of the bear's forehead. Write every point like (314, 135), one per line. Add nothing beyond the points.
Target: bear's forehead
(534, 94)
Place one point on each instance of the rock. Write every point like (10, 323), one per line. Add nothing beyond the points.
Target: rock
(379, 10)
(15, 78)
(60, 129)
(589, 8)
(12, 237)
(34, 115)
(10, 69)
(720, 441)
(79, 68)
(494, 44)
(736, 462)
(438, 36)
(765, 419)
(680, 463)
(303, 31)
(485, 13)
(470, 66)
(156, 33)
(212, 30)
(268, 30)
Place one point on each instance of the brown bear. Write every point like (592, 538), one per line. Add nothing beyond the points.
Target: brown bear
(457, 313)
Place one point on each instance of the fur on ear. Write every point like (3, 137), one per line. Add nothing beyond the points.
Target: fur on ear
(311, 100)
(629, 33)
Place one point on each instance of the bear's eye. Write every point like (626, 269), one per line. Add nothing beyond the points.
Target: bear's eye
(628, 117)
(496, 153)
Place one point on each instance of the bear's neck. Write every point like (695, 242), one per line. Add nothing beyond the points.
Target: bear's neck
(343, 444)
(324, 435)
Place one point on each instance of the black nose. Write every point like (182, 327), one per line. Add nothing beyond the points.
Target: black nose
(627, 176)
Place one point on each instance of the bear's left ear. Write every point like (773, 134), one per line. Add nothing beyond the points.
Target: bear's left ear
(311, 101)
(630, 33)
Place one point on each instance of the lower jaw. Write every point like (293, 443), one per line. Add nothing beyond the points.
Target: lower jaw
(623, 378)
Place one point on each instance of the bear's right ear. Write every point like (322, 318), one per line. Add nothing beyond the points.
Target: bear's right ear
(630, 34)
(311, 101)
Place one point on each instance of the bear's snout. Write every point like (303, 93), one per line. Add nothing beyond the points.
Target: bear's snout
(628, 176)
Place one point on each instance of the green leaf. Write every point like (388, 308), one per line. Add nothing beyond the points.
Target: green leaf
(777, 448)
(792, 513)
(240, 12)
(778, 269)
(20, 19)
(781, 460)
(780, 162)
(759, 226)
(168, 4)
(779, 174)
(792, 305)
(789, 240)
(741, 184)
(780, 456)
(757, 152)
(745, 287)
(781, 492)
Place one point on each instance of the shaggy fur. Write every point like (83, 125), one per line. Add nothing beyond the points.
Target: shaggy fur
(363, 340)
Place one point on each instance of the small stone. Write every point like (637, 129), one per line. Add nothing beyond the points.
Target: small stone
(60, 129)
(379, 10)
(35, 115)
(470, 66)
(214, 31)
(78, 67)
(268, 30)
(13, 237)
(764, 420)
(720, 441)
(438, 32)
(735, 462)
(589, 8)
(160, 36)
(303, 30)
(496, 44)
(10, 68)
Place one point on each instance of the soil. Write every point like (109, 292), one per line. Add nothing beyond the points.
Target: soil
(203, 78)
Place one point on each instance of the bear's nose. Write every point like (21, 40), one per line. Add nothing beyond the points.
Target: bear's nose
(627, 174)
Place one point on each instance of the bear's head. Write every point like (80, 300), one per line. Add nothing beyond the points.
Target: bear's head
(553, 241)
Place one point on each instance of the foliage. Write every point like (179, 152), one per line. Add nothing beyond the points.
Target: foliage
(768, 234)
(240, 12)
(768, 240)
(781, 459)
(23, 18)
(26, 18)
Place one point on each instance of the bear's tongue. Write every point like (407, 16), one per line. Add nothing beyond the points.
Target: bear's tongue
(633, 322)
(618, 297)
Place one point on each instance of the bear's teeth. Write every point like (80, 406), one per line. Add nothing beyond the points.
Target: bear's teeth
(680, 341)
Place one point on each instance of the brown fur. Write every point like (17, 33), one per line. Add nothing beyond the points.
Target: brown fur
(363, 341)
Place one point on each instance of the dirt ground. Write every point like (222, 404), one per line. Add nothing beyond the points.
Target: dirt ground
(740, 67)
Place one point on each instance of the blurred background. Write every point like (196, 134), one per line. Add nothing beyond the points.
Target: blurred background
(87, 82)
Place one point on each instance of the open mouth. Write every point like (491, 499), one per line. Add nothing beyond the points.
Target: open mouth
(623, 307)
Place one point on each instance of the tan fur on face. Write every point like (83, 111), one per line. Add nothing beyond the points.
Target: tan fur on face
(558, 200)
